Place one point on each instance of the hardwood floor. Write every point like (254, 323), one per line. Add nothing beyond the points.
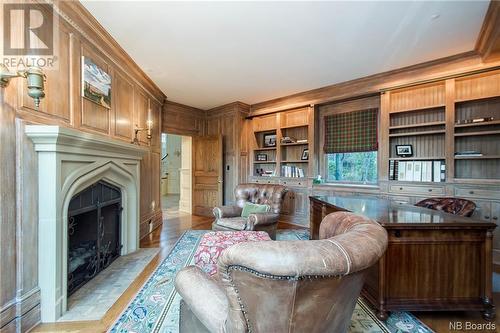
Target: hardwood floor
(174, 225)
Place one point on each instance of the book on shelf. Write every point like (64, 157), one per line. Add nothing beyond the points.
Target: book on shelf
(301, 141)
(474, 120)
(292, 171)
(417, 171)
(470, 153)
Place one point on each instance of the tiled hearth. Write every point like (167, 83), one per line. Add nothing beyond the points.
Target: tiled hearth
(91, 301)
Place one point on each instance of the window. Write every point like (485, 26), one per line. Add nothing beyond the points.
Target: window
(350, 146)
(352, 167)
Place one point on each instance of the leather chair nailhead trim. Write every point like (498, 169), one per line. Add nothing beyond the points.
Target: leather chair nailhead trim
(267, 276)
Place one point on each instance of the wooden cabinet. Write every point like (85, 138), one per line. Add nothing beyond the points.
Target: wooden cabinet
(295, 206)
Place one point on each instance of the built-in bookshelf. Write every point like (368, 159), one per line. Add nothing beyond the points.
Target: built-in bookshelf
(265, 153)
(290, 155)
(477, 139)
(417, 118)
(293, 146)
(423, 129)
(455, 122)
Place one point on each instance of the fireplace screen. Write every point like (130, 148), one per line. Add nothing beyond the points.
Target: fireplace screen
(93, 232)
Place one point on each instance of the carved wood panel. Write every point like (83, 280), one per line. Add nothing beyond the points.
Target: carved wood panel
(94, 117)
(123, 91)
(424, 96)
(141, 113)
(478, 86)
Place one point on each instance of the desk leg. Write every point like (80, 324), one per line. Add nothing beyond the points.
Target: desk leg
(489, 307)
(382, 313)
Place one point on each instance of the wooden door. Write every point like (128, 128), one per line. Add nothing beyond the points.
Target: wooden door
(207, 174)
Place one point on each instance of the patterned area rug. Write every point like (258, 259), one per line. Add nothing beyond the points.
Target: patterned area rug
(155, 309)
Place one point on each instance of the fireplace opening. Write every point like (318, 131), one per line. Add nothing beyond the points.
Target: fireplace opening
(94, 216)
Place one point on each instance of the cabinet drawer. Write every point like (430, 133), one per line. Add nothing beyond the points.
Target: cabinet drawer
(469, 192)
(264, 181)
(414, 189)
(294, 182)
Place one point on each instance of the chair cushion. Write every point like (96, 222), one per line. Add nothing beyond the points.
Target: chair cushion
(236, 223)
(213, 243)
(251, 208)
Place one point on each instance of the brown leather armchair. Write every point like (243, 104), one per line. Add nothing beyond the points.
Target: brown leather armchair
(228, 218)
(300, 286)
(457, 206)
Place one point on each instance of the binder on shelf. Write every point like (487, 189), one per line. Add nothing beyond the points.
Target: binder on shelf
(409, 171)
(417, 171)
(424, 171)
(402, 170)
(436, 171)
(391, 169)
(396, 170)
(427, 171)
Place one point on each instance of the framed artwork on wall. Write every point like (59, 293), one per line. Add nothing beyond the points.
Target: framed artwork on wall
(96, 83)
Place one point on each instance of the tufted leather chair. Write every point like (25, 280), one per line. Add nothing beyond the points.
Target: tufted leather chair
(285, 286)
(228, 218)
(462, 207)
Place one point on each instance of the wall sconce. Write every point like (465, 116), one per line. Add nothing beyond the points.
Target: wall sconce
(34, 76)
(148, 128)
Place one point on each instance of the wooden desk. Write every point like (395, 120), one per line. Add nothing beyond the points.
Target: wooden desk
(434, 260)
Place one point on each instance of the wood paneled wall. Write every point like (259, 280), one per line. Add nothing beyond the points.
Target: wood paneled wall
(135, 99)
(182, 119)
(229, 120)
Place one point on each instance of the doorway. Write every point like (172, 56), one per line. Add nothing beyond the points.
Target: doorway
(176, 174)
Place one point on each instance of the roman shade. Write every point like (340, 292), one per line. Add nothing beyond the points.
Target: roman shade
(351, 132)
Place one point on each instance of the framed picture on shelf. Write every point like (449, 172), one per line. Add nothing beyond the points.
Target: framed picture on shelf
(261, 157)
(404, 150)
(305, 154)
(269, 140)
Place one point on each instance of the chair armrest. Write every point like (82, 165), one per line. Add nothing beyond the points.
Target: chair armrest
(261, 219)
(227, 211)
(206, 299)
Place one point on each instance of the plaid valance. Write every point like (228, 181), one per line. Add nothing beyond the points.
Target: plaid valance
(351, 132)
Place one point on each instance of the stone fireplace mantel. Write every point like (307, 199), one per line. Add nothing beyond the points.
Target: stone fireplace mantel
(68, 162)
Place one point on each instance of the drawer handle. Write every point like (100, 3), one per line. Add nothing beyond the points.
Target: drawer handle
(486, 217)
(430, 190)
(400, 188)
(495, 218)
(397, 233)
(471, 192)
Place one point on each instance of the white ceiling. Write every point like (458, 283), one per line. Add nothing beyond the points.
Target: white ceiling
(206, 54)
